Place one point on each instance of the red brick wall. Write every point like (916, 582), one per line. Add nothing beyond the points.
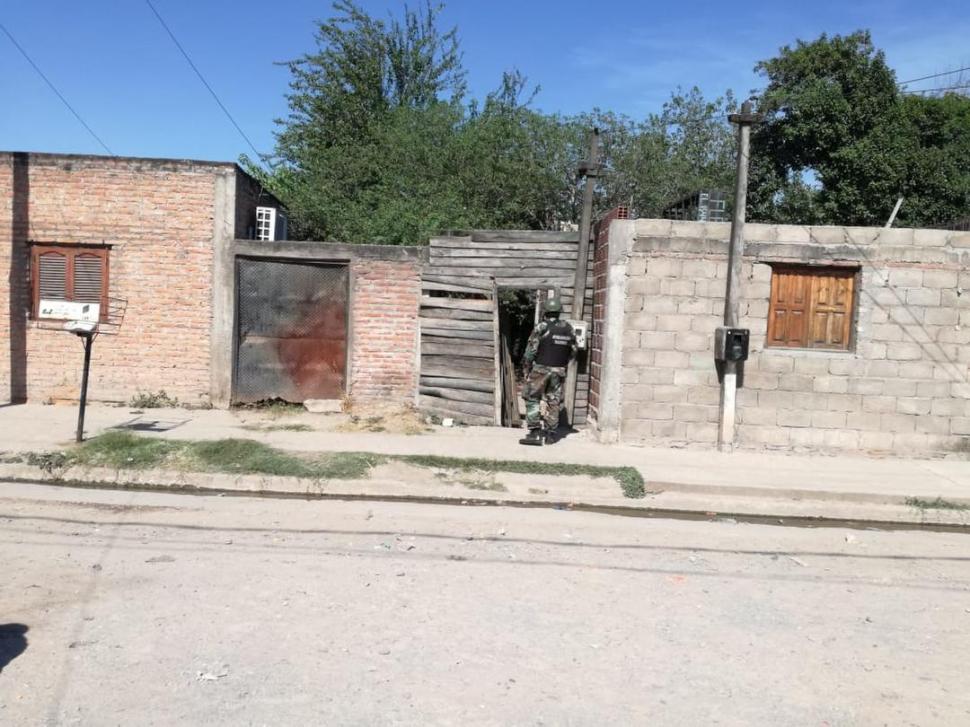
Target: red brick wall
(601, 260)
(158, 215)
(386, 297)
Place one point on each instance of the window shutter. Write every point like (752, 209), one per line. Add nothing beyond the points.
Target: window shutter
(790, 298)
(52, 276)
(88, 276)
(831, 310)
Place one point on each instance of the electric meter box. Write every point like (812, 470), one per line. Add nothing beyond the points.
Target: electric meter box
(731, 344)
(581, 331)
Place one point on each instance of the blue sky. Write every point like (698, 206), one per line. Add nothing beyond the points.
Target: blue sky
(115, 64)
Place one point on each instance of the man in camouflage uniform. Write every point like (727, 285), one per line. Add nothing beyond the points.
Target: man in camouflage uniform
(551, 347)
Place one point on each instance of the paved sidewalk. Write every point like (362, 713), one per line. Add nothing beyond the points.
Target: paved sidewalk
(693, 472)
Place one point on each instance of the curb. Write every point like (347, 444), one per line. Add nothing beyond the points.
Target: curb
(678, 501)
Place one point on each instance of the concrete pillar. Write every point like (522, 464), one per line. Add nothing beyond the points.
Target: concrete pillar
(222, 338)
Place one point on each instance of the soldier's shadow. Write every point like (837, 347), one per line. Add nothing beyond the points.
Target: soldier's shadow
(13, 642)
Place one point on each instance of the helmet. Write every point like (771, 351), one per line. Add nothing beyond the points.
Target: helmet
(552, 306)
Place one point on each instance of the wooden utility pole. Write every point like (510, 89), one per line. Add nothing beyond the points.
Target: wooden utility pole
(732, 299)
(588, 168)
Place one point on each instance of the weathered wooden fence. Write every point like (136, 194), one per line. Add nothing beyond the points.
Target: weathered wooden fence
(459, 335)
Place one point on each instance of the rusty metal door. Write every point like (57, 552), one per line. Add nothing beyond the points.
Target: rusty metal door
(291, 332)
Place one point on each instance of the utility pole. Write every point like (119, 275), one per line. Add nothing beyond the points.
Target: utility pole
(588, 168)
(732, 299)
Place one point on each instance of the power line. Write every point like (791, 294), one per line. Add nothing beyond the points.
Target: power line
(202, 78)
(54, 89)
(941, 89)
(934, 75)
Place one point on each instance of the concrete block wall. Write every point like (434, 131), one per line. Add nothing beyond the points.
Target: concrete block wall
(904, 388)
(386, 299)
(158, 215)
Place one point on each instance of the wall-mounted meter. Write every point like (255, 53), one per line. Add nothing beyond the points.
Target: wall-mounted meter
(731, 344)
(581, 330)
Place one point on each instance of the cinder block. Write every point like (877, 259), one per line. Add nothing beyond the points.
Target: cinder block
(844, 402)
(933, 425)
(775, 363)
(705, 324)
(794, 418)
(758, 415)
(694, 413)
(828, 419)
(670, 430)
(847, 439)
(899, 387)
(635, 430)
(903, 351)
(933, 389)
(655, 411)
(931, 238)
(876, 441)
(760, 380)
(960, 425)
(886, 332)
(670, 393)
(710, 396)
(830, 384)
(805, 437)
(898, 423)
(795, 382)
(905, 278)
(775, 399)
(847, 366)
(665, 267)
(863, 421)
(671, 359)
(879, 404)
(760, 436)
(656, 376)
(916, 370)
(633, 304)
(701, 432)
(638, 357)
(913, 405)
(810, 401)
(757, 309)
(699, 269)
(941, 317)
(677, 286)
(950, 407)
(695, 306)
(642, 321)
(812, 365)
(659, 304)
(940, 278)
(866, 387)
(644, 286)
(657, 340)
(923, 297)
(673, 322)
(694, 377)
(637, 266)
(688, 341)
(883, 369)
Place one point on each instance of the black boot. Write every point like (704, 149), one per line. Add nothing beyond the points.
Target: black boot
(533, 438)
(550, 436)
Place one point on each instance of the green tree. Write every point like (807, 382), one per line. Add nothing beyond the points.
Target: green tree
(840, 142)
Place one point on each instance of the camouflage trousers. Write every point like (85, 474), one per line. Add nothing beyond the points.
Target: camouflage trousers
(543, 384)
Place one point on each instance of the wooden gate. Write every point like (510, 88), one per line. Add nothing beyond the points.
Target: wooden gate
(458, 352)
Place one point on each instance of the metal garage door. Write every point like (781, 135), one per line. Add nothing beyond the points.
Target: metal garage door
(291, 334)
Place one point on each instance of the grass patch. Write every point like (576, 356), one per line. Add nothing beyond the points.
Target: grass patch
(124, 450)
(938, 504)
(628, 478)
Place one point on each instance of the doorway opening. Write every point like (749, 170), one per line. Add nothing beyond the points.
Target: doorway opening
(519, 311)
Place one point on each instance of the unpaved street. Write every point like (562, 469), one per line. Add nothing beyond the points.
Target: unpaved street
(187, 610)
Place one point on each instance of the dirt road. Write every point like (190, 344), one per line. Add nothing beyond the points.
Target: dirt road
(183, 610)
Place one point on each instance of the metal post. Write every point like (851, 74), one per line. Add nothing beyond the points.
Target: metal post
(732, 298)
(88, 339)
(589, 169)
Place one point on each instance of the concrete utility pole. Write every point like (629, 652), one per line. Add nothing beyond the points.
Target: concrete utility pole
(588, 168)
(732, 299)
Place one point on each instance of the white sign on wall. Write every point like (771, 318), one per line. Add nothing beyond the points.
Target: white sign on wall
(67, 310)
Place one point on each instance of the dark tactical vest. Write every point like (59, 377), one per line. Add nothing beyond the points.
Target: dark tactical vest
(556, 345)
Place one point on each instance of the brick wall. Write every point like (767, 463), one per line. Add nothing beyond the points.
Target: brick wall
(601, 259)
(904, 388)
(386, 298)
(158, 217)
